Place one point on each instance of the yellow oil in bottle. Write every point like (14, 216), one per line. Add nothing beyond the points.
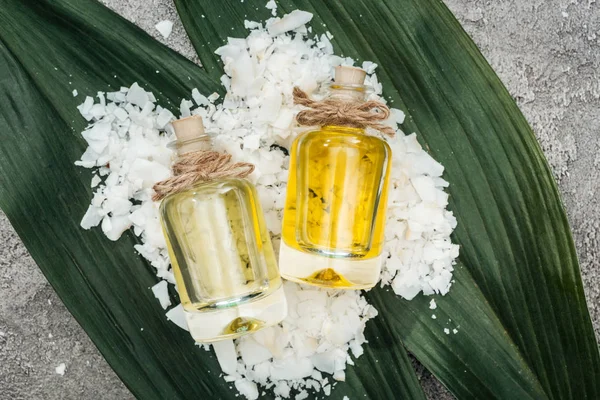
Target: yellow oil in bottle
(222, 258)
(334, 216)
(328, 278)
(243, 325)
(221, 252)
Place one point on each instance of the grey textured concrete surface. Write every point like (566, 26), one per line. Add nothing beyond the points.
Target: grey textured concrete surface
(547, 52)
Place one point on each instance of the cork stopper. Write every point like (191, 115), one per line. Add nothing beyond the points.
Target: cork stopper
(190, 134)
(345, 75)
(348, 84)
(188, 128)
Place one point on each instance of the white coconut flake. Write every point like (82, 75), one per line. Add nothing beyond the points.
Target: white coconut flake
(271, 5)
(95, 181)
(302, 395)
(92, 217)
(432, 304)
(60, 369)
(199, 98)
(161, 292)
(226, 355)
(164, 28)
(252, 352)
(163, 118)
(177, 316)
(288, 22)
(397, 114)
(247, 388)
(137, 96)
(127, 145)
(369, 66)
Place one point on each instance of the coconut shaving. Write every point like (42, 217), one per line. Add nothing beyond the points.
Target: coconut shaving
(127, 149)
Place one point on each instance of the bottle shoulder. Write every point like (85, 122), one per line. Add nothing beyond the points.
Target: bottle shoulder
(340, 136)
(220, 186)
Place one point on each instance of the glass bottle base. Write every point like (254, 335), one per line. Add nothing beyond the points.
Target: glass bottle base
(233, 322)
(328, 272)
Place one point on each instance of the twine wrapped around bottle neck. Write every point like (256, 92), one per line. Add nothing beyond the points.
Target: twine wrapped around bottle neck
(341, 112)
(200, 166)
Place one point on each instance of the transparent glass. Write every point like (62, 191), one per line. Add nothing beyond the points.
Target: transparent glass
(334, 216)
(222, 259)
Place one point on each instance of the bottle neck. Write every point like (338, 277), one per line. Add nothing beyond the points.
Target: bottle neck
(344, 92)
(199, 143)
(337, 129)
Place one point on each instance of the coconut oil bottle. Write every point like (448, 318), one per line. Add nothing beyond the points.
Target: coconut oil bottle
(334, 216)
(221, 252)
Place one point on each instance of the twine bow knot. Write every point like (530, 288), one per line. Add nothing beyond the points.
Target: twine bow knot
(343, 113)
(200, 166)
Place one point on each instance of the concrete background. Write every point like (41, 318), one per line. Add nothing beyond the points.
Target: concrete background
(547, 52)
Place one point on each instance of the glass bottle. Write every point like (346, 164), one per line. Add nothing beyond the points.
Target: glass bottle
(221, 251)
(334, 216)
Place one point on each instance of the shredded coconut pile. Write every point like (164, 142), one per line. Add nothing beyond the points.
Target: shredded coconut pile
(127, 149)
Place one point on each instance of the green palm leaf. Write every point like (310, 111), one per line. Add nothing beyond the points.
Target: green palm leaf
(515, 242)
(514, 235)
(104, 284)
